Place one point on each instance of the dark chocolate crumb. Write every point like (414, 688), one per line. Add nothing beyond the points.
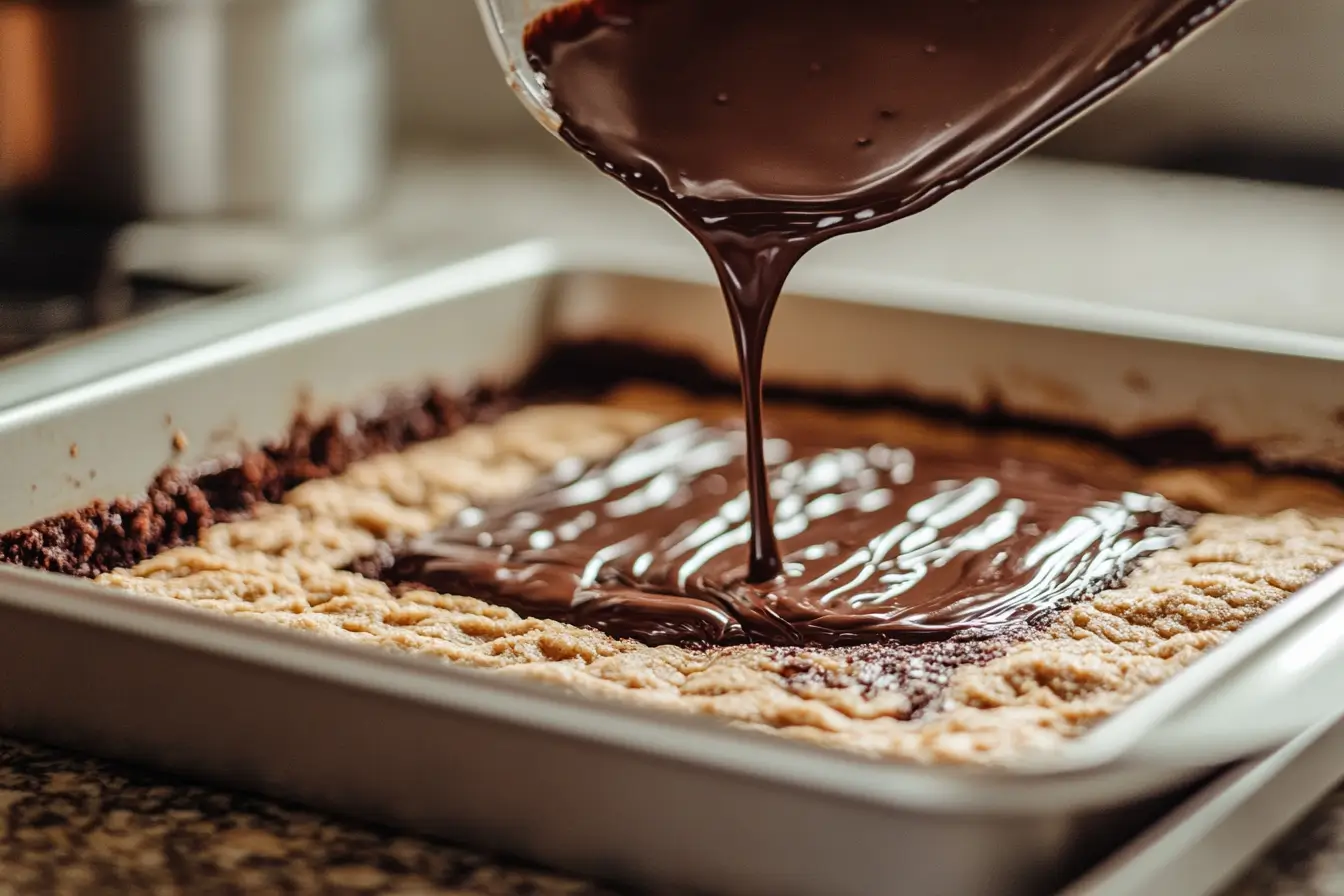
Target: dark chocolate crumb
(375, 564)
(1138, 383)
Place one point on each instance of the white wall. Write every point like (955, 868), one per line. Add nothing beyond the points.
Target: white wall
(1274, 68)
(448, 86)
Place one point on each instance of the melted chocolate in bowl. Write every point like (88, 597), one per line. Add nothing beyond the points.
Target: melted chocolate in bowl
(785, 118)
(875, 542)
(767, 126)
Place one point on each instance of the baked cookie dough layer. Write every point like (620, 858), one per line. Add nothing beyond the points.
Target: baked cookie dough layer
(962, 700)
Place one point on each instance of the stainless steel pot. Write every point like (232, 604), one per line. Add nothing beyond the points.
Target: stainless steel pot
(126, 109)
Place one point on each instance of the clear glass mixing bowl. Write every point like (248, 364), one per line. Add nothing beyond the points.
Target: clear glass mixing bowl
(505, 21)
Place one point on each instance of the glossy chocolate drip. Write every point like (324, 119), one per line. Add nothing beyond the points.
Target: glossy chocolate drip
(767, 126)
(876, 541)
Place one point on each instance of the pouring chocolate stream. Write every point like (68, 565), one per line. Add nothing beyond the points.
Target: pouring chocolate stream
(768, 126)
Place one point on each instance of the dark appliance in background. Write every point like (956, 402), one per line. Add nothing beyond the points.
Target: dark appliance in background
(60, 279)
(1286, 165)
(1261, 97)
(118, 111)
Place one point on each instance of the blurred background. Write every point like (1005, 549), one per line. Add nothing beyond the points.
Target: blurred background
(155, 152)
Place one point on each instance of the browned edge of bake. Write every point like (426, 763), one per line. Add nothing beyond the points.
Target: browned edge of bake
(590, 368)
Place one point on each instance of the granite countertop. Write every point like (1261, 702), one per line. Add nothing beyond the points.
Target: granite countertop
(75, 825)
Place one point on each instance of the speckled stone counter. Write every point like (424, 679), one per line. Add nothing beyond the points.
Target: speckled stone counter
(72, 825)
(1309, 861)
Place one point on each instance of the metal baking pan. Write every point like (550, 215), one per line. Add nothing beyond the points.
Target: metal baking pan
(1208, 841)
(611, 789)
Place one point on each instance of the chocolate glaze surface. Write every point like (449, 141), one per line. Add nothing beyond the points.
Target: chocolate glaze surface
(875, 542)
(767, 126)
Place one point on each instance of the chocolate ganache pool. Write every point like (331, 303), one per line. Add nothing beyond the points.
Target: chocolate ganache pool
(875, 541)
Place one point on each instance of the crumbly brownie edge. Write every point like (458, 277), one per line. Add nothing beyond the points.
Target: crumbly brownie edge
(180, 504)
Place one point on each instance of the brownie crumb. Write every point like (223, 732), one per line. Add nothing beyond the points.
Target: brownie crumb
(375, 564)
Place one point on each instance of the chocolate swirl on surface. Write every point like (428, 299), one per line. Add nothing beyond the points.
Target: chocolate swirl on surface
(876, 541)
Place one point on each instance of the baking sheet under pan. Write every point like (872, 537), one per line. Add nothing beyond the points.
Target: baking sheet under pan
(610, 788)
